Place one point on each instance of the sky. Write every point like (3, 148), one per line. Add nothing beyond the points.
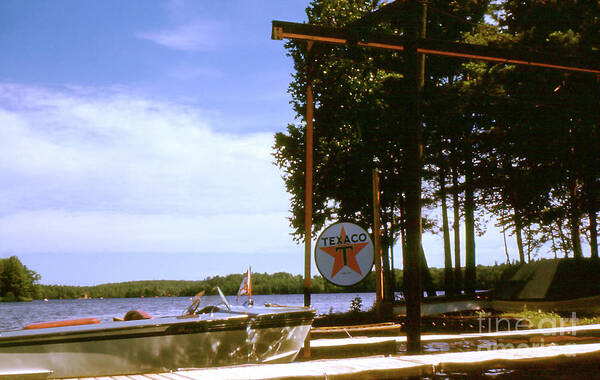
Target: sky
(136, 140)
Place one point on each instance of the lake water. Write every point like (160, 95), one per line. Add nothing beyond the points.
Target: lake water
(14, 315)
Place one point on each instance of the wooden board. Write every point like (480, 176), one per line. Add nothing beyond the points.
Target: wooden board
(419, 365)
(396, 366)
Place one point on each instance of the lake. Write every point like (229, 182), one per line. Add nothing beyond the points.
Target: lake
(14, 315)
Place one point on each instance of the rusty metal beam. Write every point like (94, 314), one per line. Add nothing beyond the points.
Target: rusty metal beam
(588, 63)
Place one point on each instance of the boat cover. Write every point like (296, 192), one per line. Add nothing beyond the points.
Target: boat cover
(552, 280)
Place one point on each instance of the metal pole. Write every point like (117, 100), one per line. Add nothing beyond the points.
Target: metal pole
(377, 242)
(308, 189)
(308, 185)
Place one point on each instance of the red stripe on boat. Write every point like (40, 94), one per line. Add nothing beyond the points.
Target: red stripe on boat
(70, 322)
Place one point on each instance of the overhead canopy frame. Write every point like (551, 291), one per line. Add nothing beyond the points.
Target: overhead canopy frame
(589, 63)
(413, 45)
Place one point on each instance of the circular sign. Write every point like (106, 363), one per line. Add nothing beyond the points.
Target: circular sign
(344, 254)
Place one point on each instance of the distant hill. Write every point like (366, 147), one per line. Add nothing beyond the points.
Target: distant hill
(262, 283)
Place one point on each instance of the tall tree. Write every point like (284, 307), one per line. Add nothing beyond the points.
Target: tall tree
(17, 282)
(353, 131)
(566, 115)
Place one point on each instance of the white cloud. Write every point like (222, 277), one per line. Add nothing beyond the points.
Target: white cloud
(56, 231)
(88, 170)
(196, 36)
(193, 72)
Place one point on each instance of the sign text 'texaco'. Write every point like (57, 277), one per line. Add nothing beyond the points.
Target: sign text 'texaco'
(354, 238)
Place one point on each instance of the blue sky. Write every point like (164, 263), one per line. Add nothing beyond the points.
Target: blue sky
(135, 140)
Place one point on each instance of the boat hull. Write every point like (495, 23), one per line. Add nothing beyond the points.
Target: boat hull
(583, 305)
(443, 307)
(117, 348)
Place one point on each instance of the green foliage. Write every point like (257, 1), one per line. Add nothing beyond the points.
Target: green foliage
(542, 142)
(348, 144)
(17, 282)
(356, 304)
(521, 144)
(262, 283)
(538, 319)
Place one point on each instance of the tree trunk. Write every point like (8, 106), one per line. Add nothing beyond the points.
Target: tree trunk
(528, 243)
(593, 233)
(575, 238)
(554, 247)
(393, 285)
(427, 281)
(456, 228)
(505, 246)
(448, 270)
(470, 275)
(519, 235)
(428, 284)
(592, 211)
(563, 239)
(574, 221)
(415, 21)
(388, 292)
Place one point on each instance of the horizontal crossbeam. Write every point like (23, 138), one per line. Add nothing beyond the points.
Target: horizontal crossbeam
(297, 31)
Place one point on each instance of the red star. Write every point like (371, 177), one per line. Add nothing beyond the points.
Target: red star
(344, 254)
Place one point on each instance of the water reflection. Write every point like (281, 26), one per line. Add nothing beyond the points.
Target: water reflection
(589, 371)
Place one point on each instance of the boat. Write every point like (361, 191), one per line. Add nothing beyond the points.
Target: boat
(437, 305)
(554, 285)
(211, 336)
(580, 305)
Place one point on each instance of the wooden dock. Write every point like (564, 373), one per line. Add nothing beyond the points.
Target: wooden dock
(378, 345)
(391, 367)
(348, 358)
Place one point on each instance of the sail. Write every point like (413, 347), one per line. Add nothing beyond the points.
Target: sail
(246, 285)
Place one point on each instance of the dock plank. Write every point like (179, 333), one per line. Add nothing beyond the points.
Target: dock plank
(361, 346)
(155, 376)
(518, 357)
(399, 365)
(402, 366)
(369, 367)
(175, 375)
(389, 367)
(353, 347)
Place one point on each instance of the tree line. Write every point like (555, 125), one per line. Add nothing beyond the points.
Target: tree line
(262, 283)
(515, 145)
(17, 283)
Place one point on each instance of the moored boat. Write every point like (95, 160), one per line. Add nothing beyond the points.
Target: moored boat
(580, 305)
(561, 286)
(214, 335)
(446, 304)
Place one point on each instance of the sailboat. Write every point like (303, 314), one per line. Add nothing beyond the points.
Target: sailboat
(246, 287)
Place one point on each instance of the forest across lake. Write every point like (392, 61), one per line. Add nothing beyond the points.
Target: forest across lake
(18, 283)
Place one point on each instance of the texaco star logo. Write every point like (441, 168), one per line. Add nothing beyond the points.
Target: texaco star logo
(344, 254)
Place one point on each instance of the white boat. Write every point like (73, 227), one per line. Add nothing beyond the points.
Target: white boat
(443, 305)
(215, 335)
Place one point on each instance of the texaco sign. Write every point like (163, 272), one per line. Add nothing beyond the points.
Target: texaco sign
(344, 254)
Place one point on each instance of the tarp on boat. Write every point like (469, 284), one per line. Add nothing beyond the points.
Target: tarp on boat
(552, 280)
